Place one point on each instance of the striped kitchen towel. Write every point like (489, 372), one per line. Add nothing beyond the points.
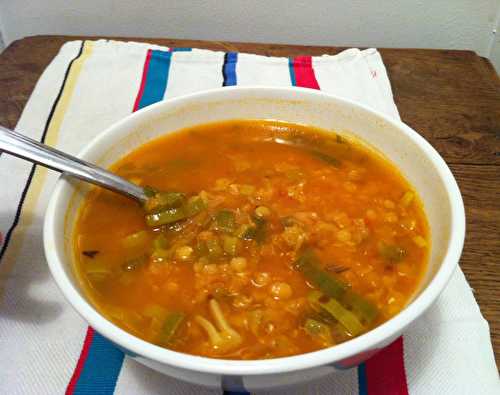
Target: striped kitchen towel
(46, 348)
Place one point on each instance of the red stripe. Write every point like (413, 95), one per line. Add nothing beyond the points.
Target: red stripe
(81, 361)
(304, 73)
(143, 80)
(385, 371)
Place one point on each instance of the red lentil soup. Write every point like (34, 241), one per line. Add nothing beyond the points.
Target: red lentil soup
(260, 239)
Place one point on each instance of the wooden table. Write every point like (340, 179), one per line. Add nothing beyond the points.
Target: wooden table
(451, 97)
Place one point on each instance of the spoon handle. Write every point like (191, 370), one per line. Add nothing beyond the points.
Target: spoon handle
(23, 147)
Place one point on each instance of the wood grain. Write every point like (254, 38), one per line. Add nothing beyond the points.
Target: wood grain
(451, 97)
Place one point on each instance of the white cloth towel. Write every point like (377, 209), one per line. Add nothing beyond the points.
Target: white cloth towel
(447, 351)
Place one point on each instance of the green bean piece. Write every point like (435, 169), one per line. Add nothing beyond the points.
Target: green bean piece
(170, 327)
(249, 233)
(309, 264)
(341, 314)
(174, 227)
(214, 249)
(160, 242)
(391, 253)
(314, 145)
(167, 216)
(155, 311)
(230, 245)
(225, 221)
(194, 206)
(255, 232)
(160, 248)
(260, 229)
(161, 255)
(329, 159)
(241, 231)
(323, 317)
(365, 310)
(149, 191)
(169, 207)
(164, 200)
(170, 199)
(201, 248)
(319, 331)
(135, 240)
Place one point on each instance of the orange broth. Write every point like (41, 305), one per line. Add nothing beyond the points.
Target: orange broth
(289, 239)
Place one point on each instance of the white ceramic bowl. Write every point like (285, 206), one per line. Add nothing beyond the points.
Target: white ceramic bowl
(416, 158)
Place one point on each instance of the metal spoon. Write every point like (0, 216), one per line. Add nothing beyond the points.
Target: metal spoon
(23, 147)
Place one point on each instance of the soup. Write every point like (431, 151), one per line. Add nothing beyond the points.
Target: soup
(260, 239)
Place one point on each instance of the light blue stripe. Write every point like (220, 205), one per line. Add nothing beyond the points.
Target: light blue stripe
(157, 78)
(101, 368)
(292, 72)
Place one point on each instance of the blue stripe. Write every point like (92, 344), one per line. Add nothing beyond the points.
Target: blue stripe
(157, 78)
(101, 368)
(229, 69)
(362, 384)
(292, 72)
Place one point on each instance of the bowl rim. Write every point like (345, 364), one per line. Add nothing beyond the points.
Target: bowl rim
(367, 341)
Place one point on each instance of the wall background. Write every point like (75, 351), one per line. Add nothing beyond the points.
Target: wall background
(455, 24)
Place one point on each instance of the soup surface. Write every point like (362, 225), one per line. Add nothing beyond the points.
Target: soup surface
(268, 239)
